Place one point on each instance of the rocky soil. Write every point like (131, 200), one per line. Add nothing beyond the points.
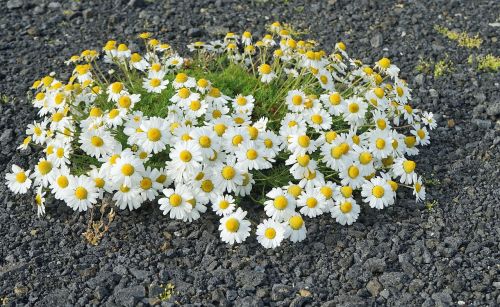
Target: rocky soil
(442, 254)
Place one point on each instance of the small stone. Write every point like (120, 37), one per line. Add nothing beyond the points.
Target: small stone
(20, 290)
(376, 40)
(374, 287)
(384, 293)
(433, 93)
(88, 13)
(481, 123)
(54, 5)
(375, 265)
(300, 301)
(129, 296)
(194, 32)
(496, 284)
(32, 31)
(14, 4)
(305, 293)
(419, 79)
(6, 136)
(493, 109)
(280, 292)
(451, 123)
(40, 9)
(137, 3)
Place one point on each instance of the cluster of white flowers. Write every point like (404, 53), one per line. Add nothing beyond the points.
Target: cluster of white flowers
(340, 127)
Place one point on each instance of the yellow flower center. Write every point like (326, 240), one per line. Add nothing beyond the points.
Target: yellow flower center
(353, 171)
(96, 141)
(232, 224)
(410, 141)
(220, 129)
(116, 87)
(60, 152)
(409, 166)
(384, 63)
(379, 92)
(296, 222)
(326, 191)
(380, 143)
(154, 134)
(114, 113)
(303, 160)
(216, 113)
(421, 133)
(99, 183)
(394, 185)
(304, 141)
(155, 82)
(311, 202)
(241, 101)
(184, 93)
(280, 202)
(336, 152)
(418, 187)
(270, 233)
(294, 190)
(38, 131)
(146, 183)
(56, 117)
(408, 109)
(181, 78)
(365, 157)
(185, 156)
(62, 181)
(95, 112)
(44, 167)
(128, 169)
(353, 107)
(21, 177)
(346, 191)
(161, 179)
(253, 132)
(207, 186)
(203, 83)
(265, 69)
(228, 172)
(346, 207)
(399, 91)
(124, 102)
(175, 200)
(81, 193)
(223, 204)
(252, 154)
(317, 119)
(297, 100)
(378, 191)
(195, 105)
(381, 124)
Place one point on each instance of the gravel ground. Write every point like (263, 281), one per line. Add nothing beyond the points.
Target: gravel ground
(405, 255)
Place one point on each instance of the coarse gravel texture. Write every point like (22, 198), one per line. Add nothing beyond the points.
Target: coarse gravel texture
(405, 255)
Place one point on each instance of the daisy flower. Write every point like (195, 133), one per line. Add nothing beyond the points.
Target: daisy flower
(428, 120)
(128, 101)
(234, 228)
(186, 158)
(81, 193)
(421, 135)
(346, 211)
(97, 142)
(37, 131)
(419, 189)
(227, 175)
(351, 175)
(197, 209)
(175, 203)
(295, 228)
(295, 100)
(61, 183)
(354, 111)
(44, 172)
(385, 65)
(40, 201)
(183, 97)
(300, 144)
(154, 138)
(18, 181)
(270, 233)
(223, 205)
(266, 73)
(138, 62)
(115, 91)
(127, 170)
(149, 187)
(311, 203)
(154, 85)
(378, 193)
(318, 119)
(249, 157)
(280, 206)
(183, 80)
(208, 141)
(405, 169)
(380, 143)
(127, 196)
(243, 104)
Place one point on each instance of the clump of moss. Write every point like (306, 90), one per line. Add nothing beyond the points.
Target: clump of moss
(488, 63)
(168, 290)
(438, 69)
(462, 38)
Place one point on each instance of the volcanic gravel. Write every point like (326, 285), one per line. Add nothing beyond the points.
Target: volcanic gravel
(408, 254)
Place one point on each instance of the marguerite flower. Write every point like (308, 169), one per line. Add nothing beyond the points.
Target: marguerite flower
(81, 193)
(346, 211)
(234, 228)
(270, 233)
(378, 193)
(176, 202)
(18, 181)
